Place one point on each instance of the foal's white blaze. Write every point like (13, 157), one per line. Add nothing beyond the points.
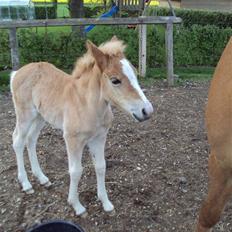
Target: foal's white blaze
(129, 72)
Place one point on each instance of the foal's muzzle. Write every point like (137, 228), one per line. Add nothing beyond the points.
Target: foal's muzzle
(144, 113)
(141, 119)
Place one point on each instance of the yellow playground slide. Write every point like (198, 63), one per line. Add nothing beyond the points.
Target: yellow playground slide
(153, 2)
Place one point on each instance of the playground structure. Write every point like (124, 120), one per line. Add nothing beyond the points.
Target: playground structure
(135, 5)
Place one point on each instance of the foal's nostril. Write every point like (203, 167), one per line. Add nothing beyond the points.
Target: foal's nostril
(144, 112)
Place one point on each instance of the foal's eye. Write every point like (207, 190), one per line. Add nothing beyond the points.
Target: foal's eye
(115, 81)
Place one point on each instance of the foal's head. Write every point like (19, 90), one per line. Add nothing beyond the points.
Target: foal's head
(119, 82)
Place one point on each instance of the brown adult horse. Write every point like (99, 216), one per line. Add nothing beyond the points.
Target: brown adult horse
(219, 129)
(80, 105)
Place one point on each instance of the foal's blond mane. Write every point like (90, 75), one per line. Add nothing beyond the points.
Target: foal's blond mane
(86, 62)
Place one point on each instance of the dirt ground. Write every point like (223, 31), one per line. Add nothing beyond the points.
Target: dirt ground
(156, 170)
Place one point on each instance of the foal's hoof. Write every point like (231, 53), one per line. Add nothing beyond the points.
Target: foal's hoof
(112, 213)
(29, 191)
(108, 206)
(83, 215)
(47, 184)
(80, 210)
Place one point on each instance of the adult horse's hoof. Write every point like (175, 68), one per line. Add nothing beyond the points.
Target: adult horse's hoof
(200, 228)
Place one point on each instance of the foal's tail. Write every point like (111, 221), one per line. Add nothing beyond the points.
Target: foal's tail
(12, 75)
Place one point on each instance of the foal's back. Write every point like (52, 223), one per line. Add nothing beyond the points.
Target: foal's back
(38, 78)
(41, 87)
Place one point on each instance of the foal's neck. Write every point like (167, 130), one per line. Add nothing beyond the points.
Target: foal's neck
(89, 86)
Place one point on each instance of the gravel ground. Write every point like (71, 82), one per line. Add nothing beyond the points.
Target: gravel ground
(156, 170)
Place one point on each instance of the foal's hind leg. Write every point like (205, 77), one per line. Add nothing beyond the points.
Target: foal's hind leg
(23, 124)
(220, 189)
(32, 138)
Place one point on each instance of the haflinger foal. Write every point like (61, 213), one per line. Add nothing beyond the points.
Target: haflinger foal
(79, 105)
(219, 130)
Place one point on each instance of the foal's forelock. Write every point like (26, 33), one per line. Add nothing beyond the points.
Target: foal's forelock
(85, 63)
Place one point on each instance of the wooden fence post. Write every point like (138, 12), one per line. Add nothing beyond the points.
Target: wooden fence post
(169, 53)
(142, 49)
(14, 48)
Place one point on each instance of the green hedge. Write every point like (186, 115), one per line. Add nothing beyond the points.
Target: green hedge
(200, 45)
(197, 45)
(61, 49)
(200, 17)
(4, 50)
(57, 48)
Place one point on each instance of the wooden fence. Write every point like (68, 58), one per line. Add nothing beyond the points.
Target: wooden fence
(141, 21)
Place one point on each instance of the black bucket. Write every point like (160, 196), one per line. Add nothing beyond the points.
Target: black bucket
(57, 226)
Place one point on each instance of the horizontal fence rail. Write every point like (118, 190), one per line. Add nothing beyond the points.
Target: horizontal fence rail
(88, 21)
(142, 21)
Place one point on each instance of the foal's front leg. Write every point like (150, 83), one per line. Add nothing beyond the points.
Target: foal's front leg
(75, 148)
(96, 147)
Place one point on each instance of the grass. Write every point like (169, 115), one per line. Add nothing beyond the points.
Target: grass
(183, 74)
(62, 11)
(195, 73)
(44, 30)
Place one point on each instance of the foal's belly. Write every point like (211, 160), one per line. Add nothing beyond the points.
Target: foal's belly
(55, 118)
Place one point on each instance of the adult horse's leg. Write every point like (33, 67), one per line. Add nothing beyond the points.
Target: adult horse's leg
(96, 147)
(220, 189)
(32, 138)
(23, 124)
(75, 148)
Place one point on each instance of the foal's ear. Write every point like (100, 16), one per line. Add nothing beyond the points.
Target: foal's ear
(114, 38)
(100, 58)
